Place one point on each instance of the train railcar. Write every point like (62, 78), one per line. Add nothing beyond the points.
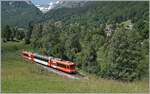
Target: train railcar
(27, 55)
(59, 64)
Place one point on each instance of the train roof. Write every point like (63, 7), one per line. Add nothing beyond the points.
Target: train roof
(26, 52)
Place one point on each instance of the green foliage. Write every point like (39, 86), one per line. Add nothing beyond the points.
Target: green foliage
(28, 34)
(125, 55)
(7, 33)
(143, 27)
(20, 34)
(72, 45)
(14, 30)
(36, 36)
(89, 57)
(109, 39)
(12, 33)
(103, 61)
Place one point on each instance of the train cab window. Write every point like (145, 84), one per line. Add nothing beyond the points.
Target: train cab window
(25, 54)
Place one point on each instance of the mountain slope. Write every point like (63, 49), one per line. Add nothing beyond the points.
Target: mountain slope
(19, 13)
(101, 12)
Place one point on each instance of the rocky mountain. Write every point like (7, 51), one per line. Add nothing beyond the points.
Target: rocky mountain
(65, 10)
(59, 4)
(47, 7)
(71, 4)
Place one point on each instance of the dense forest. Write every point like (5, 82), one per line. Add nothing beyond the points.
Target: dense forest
(108, 39)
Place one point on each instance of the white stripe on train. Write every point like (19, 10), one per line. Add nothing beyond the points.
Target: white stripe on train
(39, 61)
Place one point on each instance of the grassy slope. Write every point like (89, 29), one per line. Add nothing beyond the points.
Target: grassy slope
(19, 75)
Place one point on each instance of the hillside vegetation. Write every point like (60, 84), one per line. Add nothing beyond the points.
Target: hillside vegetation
(109, 39)
(106, 39)
(20, 75)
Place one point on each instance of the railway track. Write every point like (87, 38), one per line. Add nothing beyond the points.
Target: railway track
(63, 74)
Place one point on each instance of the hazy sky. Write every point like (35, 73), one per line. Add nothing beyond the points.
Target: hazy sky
(42, 1)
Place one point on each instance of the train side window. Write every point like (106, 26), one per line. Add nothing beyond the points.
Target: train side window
(46, 60)
(61, 65)
(67, 67)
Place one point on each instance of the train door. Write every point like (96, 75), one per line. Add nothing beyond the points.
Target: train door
(49, 62)
(54, 64)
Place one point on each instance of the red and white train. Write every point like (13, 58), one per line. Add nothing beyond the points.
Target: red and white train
(59, 64)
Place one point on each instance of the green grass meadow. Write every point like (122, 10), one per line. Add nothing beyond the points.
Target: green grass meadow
(19, 75)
